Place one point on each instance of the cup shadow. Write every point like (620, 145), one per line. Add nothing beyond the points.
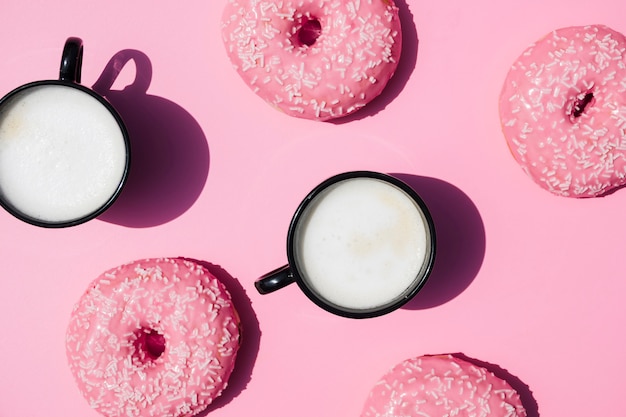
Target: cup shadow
(169, 151)
(460, 241)
(406, 65)
(250, 338)
(526, 395)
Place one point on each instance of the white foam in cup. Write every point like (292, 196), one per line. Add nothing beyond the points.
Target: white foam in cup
(63, 154)
(362, 243)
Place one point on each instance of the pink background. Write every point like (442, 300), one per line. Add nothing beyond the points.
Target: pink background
(524, 280)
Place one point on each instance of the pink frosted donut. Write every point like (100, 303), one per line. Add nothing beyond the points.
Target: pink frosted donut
(442, 385)
(314, 59)
(156, 337)
(563, 111)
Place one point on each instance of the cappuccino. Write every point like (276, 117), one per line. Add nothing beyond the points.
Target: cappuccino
(63, 154)
(362, 243)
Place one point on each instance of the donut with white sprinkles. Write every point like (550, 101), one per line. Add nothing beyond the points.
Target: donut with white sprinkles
(563, 111)
(442, 385)
(156, 337)
(314, 59)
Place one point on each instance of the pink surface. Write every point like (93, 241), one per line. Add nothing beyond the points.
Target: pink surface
(525, 280)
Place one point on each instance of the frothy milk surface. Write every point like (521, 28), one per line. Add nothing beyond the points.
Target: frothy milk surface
(362, 242)
(62, 153)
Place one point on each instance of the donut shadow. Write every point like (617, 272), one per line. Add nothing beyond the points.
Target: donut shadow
(250, 338)
(169, 151)
(406, 65)
(460, 241)
(526, 395)
(611, 191)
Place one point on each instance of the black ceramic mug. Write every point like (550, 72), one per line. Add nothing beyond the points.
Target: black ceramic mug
(361, 244)
(64, 150)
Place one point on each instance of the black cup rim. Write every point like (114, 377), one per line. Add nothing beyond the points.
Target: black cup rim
(377, 311)
(72, 222)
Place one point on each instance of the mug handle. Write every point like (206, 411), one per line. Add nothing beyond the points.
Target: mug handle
(71, 60)
(274, 280)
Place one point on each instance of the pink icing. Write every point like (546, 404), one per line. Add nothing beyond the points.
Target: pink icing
(156, 337)
(441, 385)
(314, 59)
(563, 111)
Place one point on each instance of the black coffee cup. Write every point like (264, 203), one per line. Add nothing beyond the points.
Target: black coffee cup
(361, 244)
(64, 150)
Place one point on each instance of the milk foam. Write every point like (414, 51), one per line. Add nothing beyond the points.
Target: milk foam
(362, 243)
(62, 153)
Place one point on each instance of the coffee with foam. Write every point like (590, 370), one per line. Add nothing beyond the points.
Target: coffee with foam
(362, 243)
(63, 154)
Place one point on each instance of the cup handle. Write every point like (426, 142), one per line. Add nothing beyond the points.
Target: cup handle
(274, 280)
(71, 60)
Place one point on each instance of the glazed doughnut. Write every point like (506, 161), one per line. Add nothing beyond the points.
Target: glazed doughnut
(563, 111)
(319, 59)
(156, 337)
(442, 385)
